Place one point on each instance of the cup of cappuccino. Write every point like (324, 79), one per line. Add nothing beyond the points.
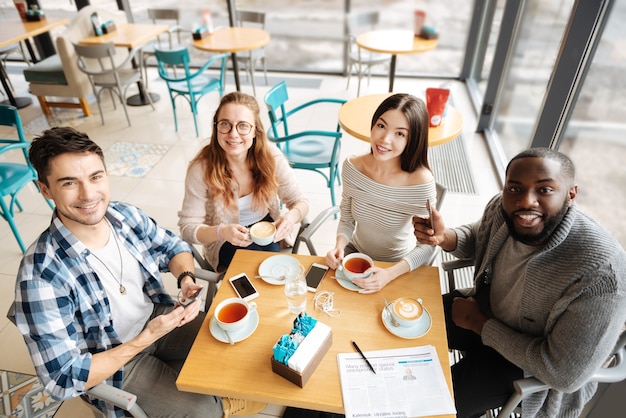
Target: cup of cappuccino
(407, 311)
(355, 265)
(262, 233)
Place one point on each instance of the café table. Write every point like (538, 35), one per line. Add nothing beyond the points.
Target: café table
(394, 42)
(131, 35)
(355, 117)
(232, 40)
(243, 370)
(16, 30)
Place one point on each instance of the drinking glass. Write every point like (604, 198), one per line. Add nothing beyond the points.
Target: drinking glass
(295, 289)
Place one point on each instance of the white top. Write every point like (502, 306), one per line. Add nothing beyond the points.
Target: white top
(130, 311)
(248, 216)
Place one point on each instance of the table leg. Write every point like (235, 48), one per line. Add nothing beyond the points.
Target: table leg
(18, 102)
(233, 58)
(31, 51)
(141, 99)
(392, 72)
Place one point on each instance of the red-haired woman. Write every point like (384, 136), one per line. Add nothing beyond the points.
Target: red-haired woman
(236, 180)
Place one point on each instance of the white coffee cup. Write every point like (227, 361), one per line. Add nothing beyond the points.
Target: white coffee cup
(354, 266)
(262, 233)
(233, 314)
(407, 311)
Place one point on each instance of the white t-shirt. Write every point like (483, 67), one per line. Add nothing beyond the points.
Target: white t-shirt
(131, 310)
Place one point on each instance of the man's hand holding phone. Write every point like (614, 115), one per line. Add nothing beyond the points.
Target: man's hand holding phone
(190, 296)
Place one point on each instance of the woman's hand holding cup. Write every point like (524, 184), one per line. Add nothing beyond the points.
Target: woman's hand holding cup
(235, 234)
(263, 233)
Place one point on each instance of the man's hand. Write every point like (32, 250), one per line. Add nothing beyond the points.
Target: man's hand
(466, 314)
(437, 235)
(163, 324)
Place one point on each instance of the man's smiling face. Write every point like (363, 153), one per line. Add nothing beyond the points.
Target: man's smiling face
(535, 198)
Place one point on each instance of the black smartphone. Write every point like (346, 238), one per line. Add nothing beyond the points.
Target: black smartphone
(430, 214)
(190, 300)
(314, 276)
(243, 287)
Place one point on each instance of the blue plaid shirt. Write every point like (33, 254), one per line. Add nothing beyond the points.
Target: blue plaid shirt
(62, 309)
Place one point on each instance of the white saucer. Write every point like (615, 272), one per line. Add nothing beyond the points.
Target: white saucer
(418, 330)
(345, 282)
(276, 266)
(237, 336)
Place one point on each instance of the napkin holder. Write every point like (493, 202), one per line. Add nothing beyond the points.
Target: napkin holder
(200, 33)
(35, 16)
(108, 27)
(428, 32)
(300, 378)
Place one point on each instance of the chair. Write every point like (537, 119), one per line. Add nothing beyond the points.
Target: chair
(249, 60)
(58, 75)
(105, 72)
(315, 150)
(191, 85)
(8, 50)
(171, 39)
(360, 59)
(613, 371)
(14, 176)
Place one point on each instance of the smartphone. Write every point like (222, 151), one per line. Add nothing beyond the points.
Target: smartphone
(243, 287)
(430, 214)
(314, 276)
(198, 295)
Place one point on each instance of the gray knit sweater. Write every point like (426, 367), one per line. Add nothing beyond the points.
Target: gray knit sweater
(572, 308)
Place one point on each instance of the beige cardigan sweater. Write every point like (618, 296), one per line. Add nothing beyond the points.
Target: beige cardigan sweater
(201, 208)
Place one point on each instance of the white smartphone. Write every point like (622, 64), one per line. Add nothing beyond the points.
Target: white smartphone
(243, 287)
(430, 214)
(198, 295)
(314, 276)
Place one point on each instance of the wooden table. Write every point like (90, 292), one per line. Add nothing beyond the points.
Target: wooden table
(131, 35)
(394, 42)
(355, 117)
(233, 40)
(244, 369)
(15, 30)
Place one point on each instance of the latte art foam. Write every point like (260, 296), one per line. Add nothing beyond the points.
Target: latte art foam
(262, 229)
(409, 309)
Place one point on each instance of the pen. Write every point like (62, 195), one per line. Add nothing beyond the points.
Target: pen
(364, 358)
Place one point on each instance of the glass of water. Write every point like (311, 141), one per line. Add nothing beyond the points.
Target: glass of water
(295, 289)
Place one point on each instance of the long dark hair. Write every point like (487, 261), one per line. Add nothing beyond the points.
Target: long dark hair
(415, 154)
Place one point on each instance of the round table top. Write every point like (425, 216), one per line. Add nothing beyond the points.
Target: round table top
(355, 117)
(233, 39)
(394, 41)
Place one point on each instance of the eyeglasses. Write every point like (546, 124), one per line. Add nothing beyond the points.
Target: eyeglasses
(224, 127)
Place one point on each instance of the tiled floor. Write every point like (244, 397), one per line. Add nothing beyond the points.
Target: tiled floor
(160, 191)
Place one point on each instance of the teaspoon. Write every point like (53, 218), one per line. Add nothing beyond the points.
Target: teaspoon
(391, 318)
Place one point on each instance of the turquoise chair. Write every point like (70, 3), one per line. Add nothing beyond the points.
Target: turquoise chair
(315, 150)
(190, 85)
(14, 176)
